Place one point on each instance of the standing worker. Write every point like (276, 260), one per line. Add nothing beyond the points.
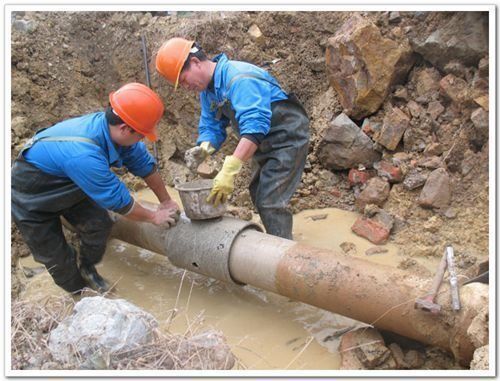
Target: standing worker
(272, 126)
(64, 170)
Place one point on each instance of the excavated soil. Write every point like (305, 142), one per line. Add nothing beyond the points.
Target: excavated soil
(64, 64)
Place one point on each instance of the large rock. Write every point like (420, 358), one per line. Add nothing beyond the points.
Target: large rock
(463, 38)
(437, 190)
(363, 66)
(345, 146)
(395, 125)
(101, 325)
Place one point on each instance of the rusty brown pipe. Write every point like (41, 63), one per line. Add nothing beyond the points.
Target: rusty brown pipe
(379, 295)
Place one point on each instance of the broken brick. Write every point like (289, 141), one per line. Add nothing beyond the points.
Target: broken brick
(389, 171)
(371, 230)
(357, 177)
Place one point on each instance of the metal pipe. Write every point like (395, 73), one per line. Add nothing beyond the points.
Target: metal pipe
(383, 296)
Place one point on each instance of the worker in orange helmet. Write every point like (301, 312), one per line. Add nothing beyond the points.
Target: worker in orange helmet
(64, 171)
(272, 126)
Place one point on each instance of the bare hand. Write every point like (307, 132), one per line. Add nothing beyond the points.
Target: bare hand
(165, 217)
(168, 204)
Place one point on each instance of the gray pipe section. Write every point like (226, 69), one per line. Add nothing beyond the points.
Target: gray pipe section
(203, 247)
(235, 251)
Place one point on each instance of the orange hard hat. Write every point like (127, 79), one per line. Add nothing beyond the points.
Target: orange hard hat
(171, 57)
(138, 106)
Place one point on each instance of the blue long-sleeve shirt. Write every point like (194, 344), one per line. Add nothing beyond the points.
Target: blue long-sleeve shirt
(87, 164)
(250, 98)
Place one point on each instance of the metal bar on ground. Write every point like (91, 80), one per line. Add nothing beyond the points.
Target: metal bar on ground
(148, 82)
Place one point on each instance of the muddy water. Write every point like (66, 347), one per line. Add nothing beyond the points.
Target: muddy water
(264, 330)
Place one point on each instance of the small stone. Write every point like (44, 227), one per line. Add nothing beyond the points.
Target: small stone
(479, 118)
(414, 359)
(394, 17)
(376, 250)
(401, 93)
(255, 33)
(398, 355)
(393, 128)
(433, 149)
(427, 82)
(364, 348)
(433, 224)
(317, 65)
(385, 219)
(484, 67)
(431, 162)
(399, 158)
(450, 213)
(455, 88)
(145, 19)
(483, 101)
(434, 109)
(456, 68)
(50, 365)
(206, 171)
(371, 210)
(415, 109)
(414, 179)
(25, 26)
(317, 217)
(348, 248)
(357, 177)
(370, 128)
(376, 192)
(386, 170)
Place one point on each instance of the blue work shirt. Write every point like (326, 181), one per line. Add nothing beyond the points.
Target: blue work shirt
(250, 98)
(87, 164)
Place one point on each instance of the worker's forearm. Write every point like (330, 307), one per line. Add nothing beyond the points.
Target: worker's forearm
(140, 213)
(245, 149)
(155, 182)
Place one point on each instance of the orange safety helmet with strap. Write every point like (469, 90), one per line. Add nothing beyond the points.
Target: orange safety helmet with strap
(138, 106)
(171, 57)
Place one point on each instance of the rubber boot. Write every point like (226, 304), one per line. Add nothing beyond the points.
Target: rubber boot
(93, 279)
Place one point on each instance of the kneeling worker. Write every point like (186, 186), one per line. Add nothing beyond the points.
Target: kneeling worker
(64, 170)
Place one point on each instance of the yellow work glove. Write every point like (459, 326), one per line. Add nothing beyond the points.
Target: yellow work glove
(207, 148)
(224, 181)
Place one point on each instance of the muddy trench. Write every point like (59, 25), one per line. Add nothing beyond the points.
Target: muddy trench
(77, 58)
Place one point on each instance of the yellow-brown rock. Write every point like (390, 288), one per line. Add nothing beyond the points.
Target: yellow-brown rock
(363, 66)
